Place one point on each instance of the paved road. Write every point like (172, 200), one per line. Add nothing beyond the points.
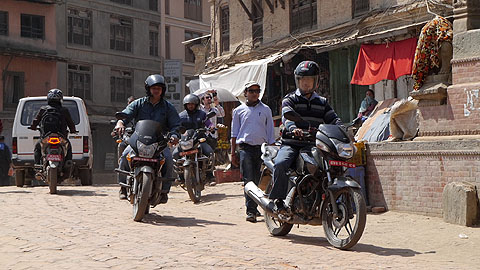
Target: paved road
(89, 228)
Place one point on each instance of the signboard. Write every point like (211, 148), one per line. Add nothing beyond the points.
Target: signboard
(172, 70)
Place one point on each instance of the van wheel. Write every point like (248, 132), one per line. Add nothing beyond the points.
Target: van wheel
(85, 177)
(19, 177)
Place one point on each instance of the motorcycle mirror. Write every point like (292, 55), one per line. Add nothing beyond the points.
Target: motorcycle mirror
(182, 129)
(293, 116)
(120, 115)
(113, 122)
(211, 114)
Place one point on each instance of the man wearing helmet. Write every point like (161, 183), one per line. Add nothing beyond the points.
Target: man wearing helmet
(312, 108)
(54, 103)
(193, 118)
(152, 107)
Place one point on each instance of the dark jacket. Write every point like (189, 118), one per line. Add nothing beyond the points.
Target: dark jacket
(194, 120)
(65, 121)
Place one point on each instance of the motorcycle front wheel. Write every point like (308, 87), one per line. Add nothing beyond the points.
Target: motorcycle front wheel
(52, 179)
(344, 230)
(192, 188)
(140, 199)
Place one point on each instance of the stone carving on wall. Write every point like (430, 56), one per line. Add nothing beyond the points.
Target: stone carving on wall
(459, 3)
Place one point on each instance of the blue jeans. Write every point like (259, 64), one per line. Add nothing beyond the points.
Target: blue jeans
(284, 159)
(250, 164)
(167, 169)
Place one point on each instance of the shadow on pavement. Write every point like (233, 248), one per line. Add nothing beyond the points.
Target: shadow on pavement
(73, 192)
(15, 191)
(359, 247)
(159, 220)
(217, 197)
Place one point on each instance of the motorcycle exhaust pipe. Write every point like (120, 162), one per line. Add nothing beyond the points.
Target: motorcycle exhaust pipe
(254, 192)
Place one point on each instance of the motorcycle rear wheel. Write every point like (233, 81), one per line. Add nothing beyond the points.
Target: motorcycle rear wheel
(52, 179)
(274, 225)
(192, 188)
(140, 199)
(351, 207)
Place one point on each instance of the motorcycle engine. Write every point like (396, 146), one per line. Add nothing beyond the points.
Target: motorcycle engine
(307, 188)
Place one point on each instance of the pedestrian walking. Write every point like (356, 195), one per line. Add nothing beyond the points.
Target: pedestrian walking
(252, 125)
(5, 163)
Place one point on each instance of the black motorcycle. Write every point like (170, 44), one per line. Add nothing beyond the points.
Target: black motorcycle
(193, 164)
(144, 180)
(319, 193)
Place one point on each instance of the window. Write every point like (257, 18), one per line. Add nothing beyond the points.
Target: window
(189, 55)
(79, 27)
(153, 5)
(167, 7)
(153, 39)
(31, 108)
(360, 7)
(224, 29)
(167, 42)
(120, 85)
(33, 26)
(79, 81)
(123, 2)
(303, 15)
(257, 23)
(121, 34)
(14, 89)
(3, 23)
(193, 9)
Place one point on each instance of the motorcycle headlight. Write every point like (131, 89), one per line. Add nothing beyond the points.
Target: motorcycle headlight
(186, 145)
(344, 150)
(322, 146)
(146, 151)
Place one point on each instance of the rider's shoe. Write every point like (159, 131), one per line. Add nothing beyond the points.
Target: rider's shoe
(276, 207)
(163, 198)
(251, 217)
(211, 179)
(122, 193)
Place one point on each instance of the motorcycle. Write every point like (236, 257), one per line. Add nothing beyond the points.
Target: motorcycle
(193, 164)
(144, 180)
(319, 193)
(53, 168)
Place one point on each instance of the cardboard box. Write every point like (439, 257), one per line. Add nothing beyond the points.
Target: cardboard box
(227, 176)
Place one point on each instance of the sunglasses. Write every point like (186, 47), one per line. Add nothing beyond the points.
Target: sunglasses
(252, 91)
(208, 97)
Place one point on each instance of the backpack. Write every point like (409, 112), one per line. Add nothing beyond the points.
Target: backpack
(51, 120)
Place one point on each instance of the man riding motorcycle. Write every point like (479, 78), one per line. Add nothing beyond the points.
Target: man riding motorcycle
(54, 101)
(152, 107)
(194, 118)
(311, 107)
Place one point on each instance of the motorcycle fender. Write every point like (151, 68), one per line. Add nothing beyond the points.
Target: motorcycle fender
(53, 164)
(144, 169)
(342, 182)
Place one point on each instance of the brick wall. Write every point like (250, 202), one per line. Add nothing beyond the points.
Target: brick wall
(402, 177)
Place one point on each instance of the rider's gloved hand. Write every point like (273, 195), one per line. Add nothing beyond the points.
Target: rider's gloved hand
(120, 128)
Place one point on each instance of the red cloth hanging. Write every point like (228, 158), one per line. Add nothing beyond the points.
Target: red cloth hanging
(382, 61)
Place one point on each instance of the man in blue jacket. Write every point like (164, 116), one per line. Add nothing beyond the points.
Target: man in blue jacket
(152, 107)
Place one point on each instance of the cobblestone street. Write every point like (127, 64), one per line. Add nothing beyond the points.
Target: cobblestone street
(89, 228)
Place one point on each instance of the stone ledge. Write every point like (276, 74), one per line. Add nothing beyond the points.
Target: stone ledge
(456, 147)
(424, 153)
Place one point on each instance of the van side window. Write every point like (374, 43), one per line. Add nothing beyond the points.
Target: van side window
(31, 108)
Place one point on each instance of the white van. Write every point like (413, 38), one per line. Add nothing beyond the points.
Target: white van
(24, 139)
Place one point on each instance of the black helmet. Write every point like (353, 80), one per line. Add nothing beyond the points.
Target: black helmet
(155, 79)
(307, 69)
(55, 96)
(191, 98)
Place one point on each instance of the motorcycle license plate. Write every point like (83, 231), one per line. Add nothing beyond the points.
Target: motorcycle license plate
(54, 157)
(342, 163)
(188, 152)
(146, 159)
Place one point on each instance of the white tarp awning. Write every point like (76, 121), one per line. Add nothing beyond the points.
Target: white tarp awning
(234, 78)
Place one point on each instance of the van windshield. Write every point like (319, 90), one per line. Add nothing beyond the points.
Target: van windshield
(31, 108)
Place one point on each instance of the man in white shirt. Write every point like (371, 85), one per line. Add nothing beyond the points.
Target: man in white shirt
(252, 125)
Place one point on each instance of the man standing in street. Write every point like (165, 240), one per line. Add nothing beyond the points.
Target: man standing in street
(5, 162)
(252, 125)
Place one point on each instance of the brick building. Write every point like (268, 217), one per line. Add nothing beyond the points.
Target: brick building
(407, 176)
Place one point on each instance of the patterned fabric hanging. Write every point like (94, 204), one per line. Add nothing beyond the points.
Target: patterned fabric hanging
(426, 55)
